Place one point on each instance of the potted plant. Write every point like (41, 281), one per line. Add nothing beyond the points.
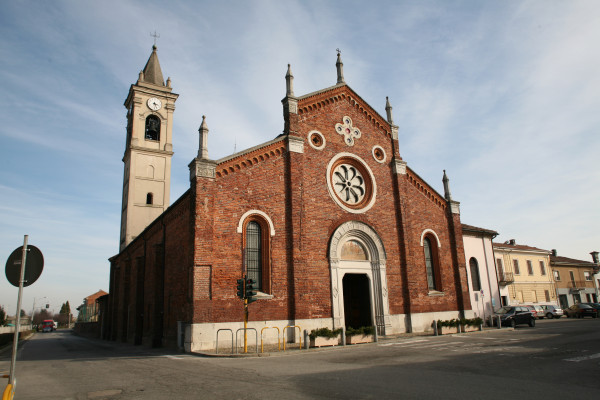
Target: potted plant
(448, 326)
(364, 334)
(324, 337)
(470, 324)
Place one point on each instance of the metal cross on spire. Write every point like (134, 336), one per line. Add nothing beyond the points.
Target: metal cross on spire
(155, 36)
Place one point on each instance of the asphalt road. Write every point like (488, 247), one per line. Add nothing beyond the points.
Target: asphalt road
(558, 359)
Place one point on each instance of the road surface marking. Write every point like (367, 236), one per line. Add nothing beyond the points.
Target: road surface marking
(584, 358)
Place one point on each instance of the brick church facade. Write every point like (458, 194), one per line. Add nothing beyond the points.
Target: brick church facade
(327, 217)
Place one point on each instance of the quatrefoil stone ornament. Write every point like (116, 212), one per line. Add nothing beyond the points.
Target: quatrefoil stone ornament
(348, 131)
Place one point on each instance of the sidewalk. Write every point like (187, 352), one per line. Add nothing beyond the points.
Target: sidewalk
(270, 350)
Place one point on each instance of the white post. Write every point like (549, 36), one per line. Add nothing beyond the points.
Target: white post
(18, 315)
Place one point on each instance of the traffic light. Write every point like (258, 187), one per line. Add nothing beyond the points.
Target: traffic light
(240, 288)
(250, 292)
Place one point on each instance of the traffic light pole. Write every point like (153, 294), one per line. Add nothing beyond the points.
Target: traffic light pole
(246, 326)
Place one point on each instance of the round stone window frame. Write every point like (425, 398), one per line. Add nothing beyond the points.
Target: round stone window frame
(370, 185)
(374, 153)
(318, 134)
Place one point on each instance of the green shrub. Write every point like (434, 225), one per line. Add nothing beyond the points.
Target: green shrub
(471, 321)
(325, 332)
(363, 330)
(451, 322)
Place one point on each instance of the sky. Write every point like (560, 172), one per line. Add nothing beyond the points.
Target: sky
(504, 95)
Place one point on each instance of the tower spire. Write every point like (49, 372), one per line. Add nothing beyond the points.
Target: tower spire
(203, 147)
(152, 72)
(446, 182)
(340, 67)
(388, 110)
(289, 82)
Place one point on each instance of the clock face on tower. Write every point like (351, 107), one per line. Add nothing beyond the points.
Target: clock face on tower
(154, 104)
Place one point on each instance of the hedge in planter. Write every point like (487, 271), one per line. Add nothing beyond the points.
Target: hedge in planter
(324, 337)
(448, 326)
(364, 334)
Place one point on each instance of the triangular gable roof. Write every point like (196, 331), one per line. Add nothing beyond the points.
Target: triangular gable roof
(322, 98)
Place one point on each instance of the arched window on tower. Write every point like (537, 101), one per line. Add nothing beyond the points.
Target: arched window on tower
(152, 128)
(431, 263)
(149, 199)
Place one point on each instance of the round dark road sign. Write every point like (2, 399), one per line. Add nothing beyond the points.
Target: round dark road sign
(34, 265)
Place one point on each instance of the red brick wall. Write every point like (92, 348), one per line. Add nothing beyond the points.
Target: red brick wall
(192, 254)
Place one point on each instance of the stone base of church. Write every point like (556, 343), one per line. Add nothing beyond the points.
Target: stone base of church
(203, 336)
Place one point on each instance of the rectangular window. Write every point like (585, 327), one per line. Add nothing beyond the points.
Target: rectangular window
(547, 294)
(529, 267)
(516, 267)
(542, 268)
(587, 275)
(500, 267)
(572, 275)
(556, 275)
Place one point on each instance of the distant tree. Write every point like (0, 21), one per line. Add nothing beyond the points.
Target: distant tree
(23, 313)
(2, 316)
(41, 315)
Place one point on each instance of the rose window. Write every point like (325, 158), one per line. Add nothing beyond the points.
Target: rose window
(349, 184)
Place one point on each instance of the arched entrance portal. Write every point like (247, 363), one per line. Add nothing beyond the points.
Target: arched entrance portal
(357, 301)
(357, 252)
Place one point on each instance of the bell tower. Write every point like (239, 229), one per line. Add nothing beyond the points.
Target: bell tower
(148, 150)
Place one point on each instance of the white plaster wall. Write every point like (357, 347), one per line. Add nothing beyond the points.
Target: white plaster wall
(483, 252)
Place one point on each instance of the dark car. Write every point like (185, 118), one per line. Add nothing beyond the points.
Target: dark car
(581, 310)
(594, 305)
(515, 315)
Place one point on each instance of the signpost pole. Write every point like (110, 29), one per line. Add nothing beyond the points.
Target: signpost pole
(18, 315)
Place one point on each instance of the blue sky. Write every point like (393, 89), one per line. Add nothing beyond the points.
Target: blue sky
(504, 95)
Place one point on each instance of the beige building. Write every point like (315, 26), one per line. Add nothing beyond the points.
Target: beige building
(524, 274)
(574, 279)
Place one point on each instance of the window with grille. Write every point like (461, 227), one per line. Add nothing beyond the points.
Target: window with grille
(431, 264)
(254, 253)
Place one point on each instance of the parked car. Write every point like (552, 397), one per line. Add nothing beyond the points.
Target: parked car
(551, 311)
(515, 315)
(594, 305)
(581, 310)
(537, 311)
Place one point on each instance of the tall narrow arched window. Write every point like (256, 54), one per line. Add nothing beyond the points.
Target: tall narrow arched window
(431, 264)
(149, 199)
(254, 253)
(475, 281)
(152, 128)
(256, 229)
